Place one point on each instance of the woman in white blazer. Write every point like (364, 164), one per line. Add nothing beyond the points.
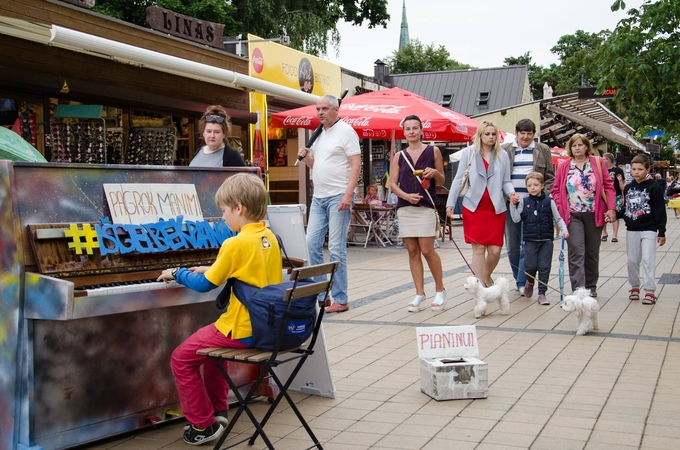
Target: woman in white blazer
(484, 203)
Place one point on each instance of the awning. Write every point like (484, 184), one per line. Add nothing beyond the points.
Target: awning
(128, 54)
(605, 130)
(565, 115)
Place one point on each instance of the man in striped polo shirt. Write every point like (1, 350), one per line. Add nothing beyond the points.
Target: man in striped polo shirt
(525, 156)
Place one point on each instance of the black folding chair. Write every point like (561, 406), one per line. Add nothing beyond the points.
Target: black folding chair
(270, 359)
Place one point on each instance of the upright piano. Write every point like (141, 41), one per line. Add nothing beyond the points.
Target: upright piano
(86, 339)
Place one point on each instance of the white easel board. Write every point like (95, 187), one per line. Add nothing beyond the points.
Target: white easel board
(287, 221)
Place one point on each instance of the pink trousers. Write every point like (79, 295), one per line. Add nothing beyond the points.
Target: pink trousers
(200, 397)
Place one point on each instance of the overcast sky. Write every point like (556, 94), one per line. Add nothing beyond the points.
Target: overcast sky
(479, 33)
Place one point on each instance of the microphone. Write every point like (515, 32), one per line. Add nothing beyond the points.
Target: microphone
(318, 130)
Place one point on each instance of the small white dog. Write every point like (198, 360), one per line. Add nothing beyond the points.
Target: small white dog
(484, 295)
(585, 307)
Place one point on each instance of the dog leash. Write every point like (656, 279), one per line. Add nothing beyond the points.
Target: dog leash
(544, 284)
(462, 256)
(525, 272)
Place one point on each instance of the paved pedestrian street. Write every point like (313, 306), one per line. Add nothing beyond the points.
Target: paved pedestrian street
(617, 388)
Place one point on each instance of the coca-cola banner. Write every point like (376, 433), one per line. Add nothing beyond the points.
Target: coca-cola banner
(276, 63)
(376, 115)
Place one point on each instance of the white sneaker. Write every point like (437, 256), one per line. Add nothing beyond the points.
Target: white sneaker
(417, 304)
(220, 417)
(439, 301)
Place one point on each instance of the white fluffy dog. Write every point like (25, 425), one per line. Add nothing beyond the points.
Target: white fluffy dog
(585, 307)
(484, 295)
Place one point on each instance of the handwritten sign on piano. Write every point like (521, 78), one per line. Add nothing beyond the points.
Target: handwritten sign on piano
(134, 203)
(447, 342)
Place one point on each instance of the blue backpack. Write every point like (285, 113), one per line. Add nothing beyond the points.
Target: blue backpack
(267, 309)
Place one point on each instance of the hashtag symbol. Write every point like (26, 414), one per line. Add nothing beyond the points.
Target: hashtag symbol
(77, 234)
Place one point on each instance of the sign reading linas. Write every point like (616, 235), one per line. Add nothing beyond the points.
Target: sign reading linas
(447, 342)
(185, 27)
(147, 203)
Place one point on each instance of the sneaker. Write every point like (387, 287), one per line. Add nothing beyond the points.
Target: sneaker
(542, 300)
(417, 304)
(593, 294)
(337, 308)
(220, 417)
(198, 436)
(528, 290)
(521, 290)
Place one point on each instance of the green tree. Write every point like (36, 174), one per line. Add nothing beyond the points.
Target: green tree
(642, 57)
(310, 24)
(578, 64)
(578, 60)
(537, 74)
(416, 57)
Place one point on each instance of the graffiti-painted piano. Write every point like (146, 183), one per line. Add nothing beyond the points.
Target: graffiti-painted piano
(85, 338)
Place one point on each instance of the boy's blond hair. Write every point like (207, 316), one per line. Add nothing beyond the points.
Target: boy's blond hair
(246, 189)
(535, 176)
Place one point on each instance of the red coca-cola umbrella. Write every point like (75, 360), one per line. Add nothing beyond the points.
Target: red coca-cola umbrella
(376, 115)
(558, 155)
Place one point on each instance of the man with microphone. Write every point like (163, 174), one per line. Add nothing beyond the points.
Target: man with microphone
(335, 161)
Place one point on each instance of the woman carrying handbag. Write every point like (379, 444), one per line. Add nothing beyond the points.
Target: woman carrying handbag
(488, 180)
(414, 173)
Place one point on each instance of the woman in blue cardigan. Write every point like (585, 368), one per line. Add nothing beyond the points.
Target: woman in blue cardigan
(484, 202)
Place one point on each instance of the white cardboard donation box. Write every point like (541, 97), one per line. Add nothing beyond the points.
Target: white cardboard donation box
(449, 369)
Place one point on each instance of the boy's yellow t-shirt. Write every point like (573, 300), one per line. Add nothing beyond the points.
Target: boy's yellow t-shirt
(254, 257)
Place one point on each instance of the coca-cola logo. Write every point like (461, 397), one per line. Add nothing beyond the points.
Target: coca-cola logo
(257, 60)
(306, 76)
(300, 122)
(362, 121)
(383, 109)
(429, 136)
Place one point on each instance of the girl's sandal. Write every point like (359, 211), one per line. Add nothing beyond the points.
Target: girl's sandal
(634, 294)
(649, 299)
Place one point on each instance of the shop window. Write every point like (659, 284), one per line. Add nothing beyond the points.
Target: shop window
(25, 119)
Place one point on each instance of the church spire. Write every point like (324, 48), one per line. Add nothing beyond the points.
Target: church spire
(404, 40)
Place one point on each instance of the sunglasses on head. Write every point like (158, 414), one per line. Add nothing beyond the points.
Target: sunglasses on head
(214, 118)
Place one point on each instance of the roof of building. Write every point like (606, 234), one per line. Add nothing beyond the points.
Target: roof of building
(473, 91)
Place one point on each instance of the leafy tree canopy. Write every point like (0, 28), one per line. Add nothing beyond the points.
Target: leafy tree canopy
(536, 73)
(578, 60)
(310, 24)
(578, 64)
(416, 57)
(642, 57)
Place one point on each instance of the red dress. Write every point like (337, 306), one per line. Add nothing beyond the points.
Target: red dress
(484, 226)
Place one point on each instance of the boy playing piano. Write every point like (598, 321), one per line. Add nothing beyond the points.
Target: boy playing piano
(253, 256)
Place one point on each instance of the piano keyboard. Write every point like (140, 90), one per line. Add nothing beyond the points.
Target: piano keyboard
(128, 286)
